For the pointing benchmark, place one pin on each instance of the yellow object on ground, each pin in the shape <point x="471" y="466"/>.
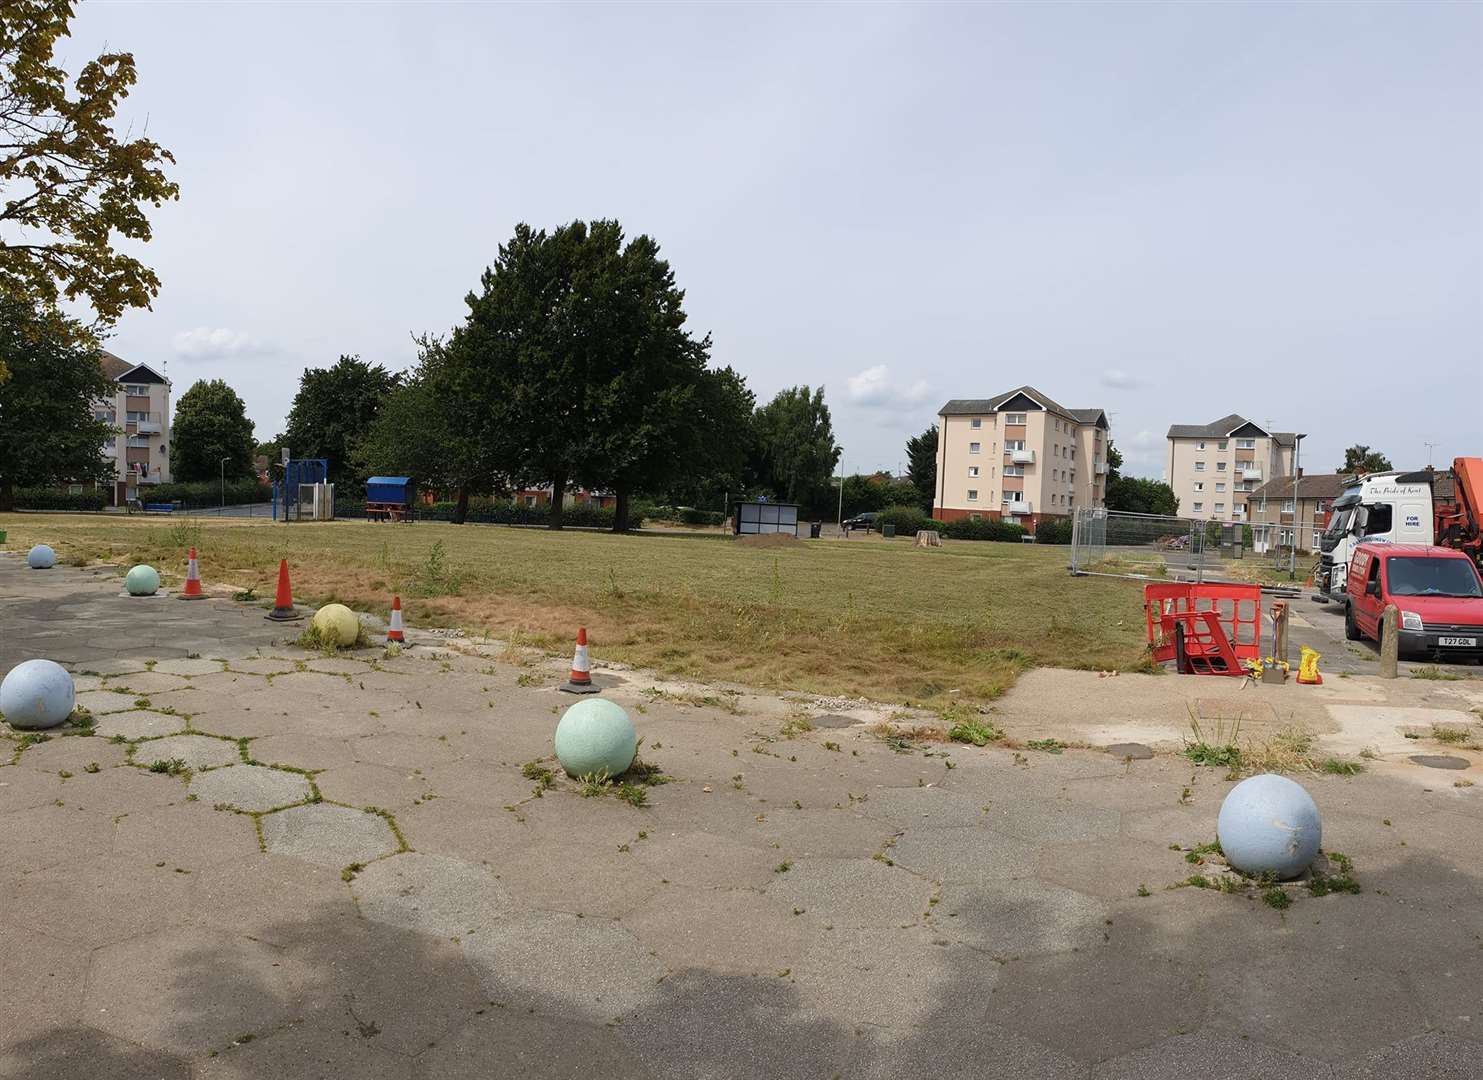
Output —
<point x="1308" y="667"/>
<point x="336" y="624"/>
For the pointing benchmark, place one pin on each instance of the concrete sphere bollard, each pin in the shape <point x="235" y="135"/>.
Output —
<point x="1269" y="824"/>
<point x="41" y="557"/>
<point x="336" y="625"/>
<point x="595" y="736"/>
<point x="37" y="694"/>
<point x="142" y="580"/>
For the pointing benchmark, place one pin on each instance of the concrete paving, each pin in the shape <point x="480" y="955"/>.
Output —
<point x="362" y="888"/>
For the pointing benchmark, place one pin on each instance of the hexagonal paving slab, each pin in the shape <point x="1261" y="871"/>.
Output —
<point x="99" y="702"/>
<point x="432" y="893"/>
<point x="138" y="724"/>
<point x="189" y="667"/>
<point x="197" y="751"/>
<point x="852" y="892"/>
<point x="250" y="787"/>
<point x="328" y="835"/>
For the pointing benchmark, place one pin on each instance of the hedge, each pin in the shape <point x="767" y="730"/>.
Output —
<point x="968" y="529"/>
<point x="685" y="515"/>
<point x="908" y="520"/>
<point x="206" y="493"/>
<point x="1057" y="531"/>
<point x="490" y="512"/>
<point x="59" y="499"/>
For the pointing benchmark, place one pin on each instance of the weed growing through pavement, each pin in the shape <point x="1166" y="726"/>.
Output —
<point x="1197" y="853"/>
<point x="1449" y="735"/>
<point x="594" y="784"/>
<point x="797" y="723"/>
<point x="1339" y="767"/>
<point x="91" y="767"/>
<point x="978" y="731"/>
<point x="1143" y="891"/>
<point x="633" y="794"/>
<point x="1218" y="748"/>
<point x="1048" y="746"/>
<point x="312" y="639"/>
<point x="782" y="867"/>
<point x="172" y="767"/>
<point x="1274" y="896"/>
<point x="1432" y="671"/>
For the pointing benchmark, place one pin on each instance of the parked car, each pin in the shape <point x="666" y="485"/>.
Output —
<point x="1436" y="590"/>
<point x="864" y="521"/>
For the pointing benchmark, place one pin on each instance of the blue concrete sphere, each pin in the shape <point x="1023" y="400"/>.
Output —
<point x="1269" y="824"/>
<point x="37" y="694"/>
<point x="142" y="580"/>
<point x="595" y="736"/>
<point x="41" y="557"/>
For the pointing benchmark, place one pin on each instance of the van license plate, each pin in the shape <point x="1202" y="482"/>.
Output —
<point x="1458" y="642"/>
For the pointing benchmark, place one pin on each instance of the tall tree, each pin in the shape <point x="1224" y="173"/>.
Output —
<point x="796" y="452"/>
<point x="69" y="186"/>
<point x="723" y="417"/>
<point x="334" y="408"/>
<point x="1361" y="459"/>
<point x="210" y="425"/>
<point x="414" y="434"/>
<point x="47" y="404"/>
<point x="921" y="466"/>
<point x="1133" y="495"/>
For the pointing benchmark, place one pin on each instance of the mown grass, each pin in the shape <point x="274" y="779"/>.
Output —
<point x="877" y="618"/>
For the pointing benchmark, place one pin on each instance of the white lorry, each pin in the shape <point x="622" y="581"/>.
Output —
<point x="1393" y="506"/>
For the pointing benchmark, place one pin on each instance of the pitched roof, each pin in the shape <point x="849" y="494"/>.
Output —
<point x="1216" y="429"/>
<point x="113" y="366"/>
<point x="1310" y="486"/>
<point x="980" y="406"/>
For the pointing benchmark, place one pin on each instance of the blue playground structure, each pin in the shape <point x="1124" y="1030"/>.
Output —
<point x="390" y="498"/>
<point x="289" y="493"/>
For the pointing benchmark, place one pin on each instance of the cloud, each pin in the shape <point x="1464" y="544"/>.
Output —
<point x="206" y="343"/>
<point x="1118" y="379"/>
<point x="873" y="388"/>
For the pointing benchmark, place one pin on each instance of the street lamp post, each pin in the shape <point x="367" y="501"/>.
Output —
<point x="224" y="486"/>
<point x="840" y="522"/>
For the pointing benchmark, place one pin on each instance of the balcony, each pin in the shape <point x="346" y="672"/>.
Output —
<point x="1249" y="472"/>
<point x="1021" y="507"/>
<point x="1100" y="468"/>
<point x="1022" y="457"/>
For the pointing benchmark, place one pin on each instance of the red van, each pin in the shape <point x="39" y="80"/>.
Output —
<point x="1436" y="590"/>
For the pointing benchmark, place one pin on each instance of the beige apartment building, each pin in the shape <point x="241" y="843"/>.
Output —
<point x="1018" y="457"/>
<point x="1213" y="468"/>
<point x="140" y="410"/>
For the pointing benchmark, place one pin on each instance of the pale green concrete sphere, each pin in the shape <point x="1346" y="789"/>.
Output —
<point x="595" y="736"/>
<point x="142" y="581"/>
<point x="336" y="624"/>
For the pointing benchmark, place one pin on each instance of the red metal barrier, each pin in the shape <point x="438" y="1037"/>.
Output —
<point x="1206" y="629"/>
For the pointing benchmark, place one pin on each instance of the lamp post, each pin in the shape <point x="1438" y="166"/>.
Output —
<point x="840" y="523"/>
<point x="224" y="485"/>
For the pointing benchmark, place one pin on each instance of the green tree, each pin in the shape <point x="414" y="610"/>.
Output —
<point x="795" y="448"/>
<point x="334" y="409"/>
<point x="47" y="403"/>
<point x="1133" y="495"/>
<point x="414" y="434"/>
<point x="723" y="416"/>
<point x="1361" y="459"/>
<point x="921" y="466"/>
<point x="69" y="187"/>
<point x="210" y="424"/>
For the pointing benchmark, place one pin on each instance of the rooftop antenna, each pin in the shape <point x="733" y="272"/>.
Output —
<point x="1430" y="446"/>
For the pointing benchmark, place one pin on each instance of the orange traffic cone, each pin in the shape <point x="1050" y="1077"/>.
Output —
<point x="580" y="680"/>
<point x="283" y="603"/>
<point x="192" y="590"/>
<point x="394" y="631"/>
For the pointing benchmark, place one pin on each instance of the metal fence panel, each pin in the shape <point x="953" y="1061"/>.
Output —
<point x="1172" y="548"/>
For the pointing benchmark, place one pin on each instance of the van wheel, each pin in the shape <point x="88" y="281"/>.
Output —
<point x="1351" y="628"/>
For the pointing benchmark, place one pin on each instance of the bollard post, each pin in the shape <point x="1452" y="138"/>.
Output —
<point x="1279" y="630"/>
<point x="1390" y="641"/>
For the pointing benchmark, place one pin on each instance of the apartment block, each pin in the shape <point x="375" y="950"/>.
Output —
<point x="1018" y="457"/>
<point x="1213" y="468"/>
<point x="140" y="410"/>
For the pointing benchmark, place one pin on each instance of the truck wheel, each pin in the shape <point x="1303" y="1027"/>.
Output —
<point x="1351" y="628"/>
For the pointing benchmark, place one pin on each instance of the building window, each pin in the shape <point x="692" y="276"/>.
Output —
<point x="1014" y="470"/>
<point x="973" y="470"/>
<point x="976" y="423"/>
<point x="1221" y="445"/>
<point x="136" y="390"/>
<point x="975" y="517"/>
<point x="974" y="447"/>
<point x="1315" y="538"/>
<point x="139" y="440"/>
<point x="1199" y="506"/>
<point x="1014" y="496"/>
<point x="1220" y="487"/>
<point x="1199" y="485"/>
<point x="1200" y="445"/>
<point x="1014" y="418"/>
<point x="1245" y="444"/>
<point x="973" y="494"/>
<point x="1220" y="466"/>
<point x="1287" y="506"/>
<point x="1199" y="466"/>
<point x="1220" y="508"/>
<point x="1262" y="505"/>
<point x="1011" y="445"/>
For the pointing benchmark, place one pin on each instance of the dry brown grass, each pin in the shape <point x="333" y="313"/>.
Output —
<point x="887" y="620"/>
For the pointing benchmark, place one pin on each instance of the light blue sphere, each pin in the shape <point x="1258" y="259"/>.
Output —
<point x="37" y="694"/>
<point x="41" y="557"/>
<point x="1269" y="824"/>
<point x="142" y="580"/>
<point x="595" y="736"/>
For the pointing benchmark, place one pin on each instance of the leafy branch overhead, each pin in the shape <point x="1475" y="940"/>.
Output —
<point x="70" y="184"/>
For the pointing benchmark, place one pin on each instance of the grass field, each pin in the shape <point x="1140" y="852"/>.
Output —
<point x="866" y="617"/>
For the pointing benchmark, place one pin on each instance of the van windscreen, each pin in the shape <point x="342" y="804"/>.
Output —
<point x="1432" y="577"/>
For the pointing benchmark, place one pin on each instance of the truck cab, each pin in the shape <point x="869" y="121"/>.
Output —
<point x="1386" y="507"/>
<point x="1437" y="591"/>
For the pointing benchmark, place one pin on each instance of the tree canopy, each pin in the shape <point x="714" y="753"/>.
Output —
<point x="921" y="466"/>
<point x="1133" y="495"/>
<point x="210" y="424"/>
<point x="335" y="408"/>
<point x="795" y="448"/>
<point x="1361" y="459"/>
<point x="69" y="186"/>
<point x="47" y="405"/>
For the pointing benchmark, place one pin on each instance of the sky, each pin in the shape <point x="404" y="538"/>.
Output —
<point x="1171" y="212"/>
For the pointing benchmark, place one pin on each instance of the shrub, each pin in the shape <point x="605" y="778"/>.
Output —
<point x="983" y="530"/>
<point x="691" y="516"/>
<point x="496" y="512"/>
<point x="1054" y="531"/>
<point x="59" y="499"/>
<point x="205" y="493"/>
<point x="907" y="519"/>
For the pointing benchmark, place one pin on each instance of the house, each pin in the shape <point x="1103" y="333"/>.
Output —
<point x="1280" y="517"/>
<point x="140" y="410"/>
<point x="1020" y="457"/>
<point x="1213" y="468"/>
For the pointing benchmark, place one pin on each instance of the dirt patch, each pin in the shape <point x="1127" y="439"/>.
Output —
<point x="768" y="540"/>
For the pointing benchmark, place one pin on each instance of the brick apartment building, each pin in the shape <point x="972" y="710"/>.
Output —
<point x="141" y="411"/>
<point x="1019" y="457"/>
<point x="1280" y="518"/>
<point x="1214" y="468"/>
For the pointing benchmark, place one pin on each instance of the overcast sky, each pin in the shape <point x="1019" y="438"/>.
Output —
<point x="1170" y="212"/>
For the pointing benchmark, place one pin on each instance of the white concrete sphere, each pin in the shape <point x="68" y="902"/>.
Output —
<point x="1269" y="824"/>
<point x="41" y="557"/>
<point x="37" y="694"/>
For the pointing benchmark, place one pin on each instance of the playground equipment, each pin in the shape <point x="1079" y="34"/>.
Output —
<point x="390" y="498"/>
<point x="304" y="493"/>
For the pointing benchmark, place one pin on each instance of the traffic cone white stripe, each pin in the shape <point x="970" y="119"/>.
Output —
<point x="581" y="663"/>
<point x="580" y="680"/>
<point x="192" y="590"/>
<point x="394" y="631"/>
